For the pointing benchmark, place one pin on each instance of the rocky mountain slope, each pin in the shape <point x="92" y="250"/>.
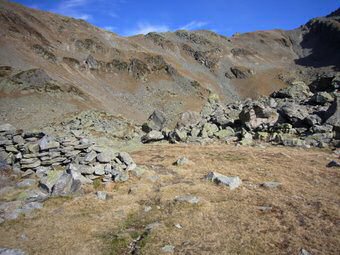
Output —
<point x="51" y="65"/>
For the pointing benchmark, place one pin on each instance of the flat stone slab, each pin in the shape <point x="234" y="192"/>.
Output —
<point x="232" y="182"/>
<point x="188" y="199"/>
<point x="168" y="249"/>
<point x="270" y="185"/>
<point x="5" y="251"/>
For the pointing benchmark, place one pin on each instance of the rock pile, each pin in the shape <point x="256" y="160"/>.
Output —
<point x="61" y="164"/>
<point x="298" y="115"/>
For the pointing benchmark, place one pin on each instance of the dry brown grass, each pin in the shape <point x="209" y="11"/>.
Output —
<point x="305" y="209"/>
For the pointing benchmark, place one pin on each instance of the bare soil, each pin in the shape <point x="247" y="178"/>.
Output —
<point x="304" y="209"/>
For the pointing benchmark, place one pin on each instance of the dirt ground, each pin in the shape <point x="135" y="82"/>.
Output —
<point x="302" y="213"/>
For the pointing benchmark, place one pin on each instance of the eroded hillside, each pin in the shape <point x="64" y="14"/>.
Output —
<point x="68" y="62"/>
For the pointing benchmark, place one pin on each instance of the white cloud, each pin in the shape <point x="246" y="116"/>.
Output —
<point x="71" y="8"/>
<point x="67" y="4"/>
<point x="194" y="25"/>
<point x="110" y="28"/>
<point x="144" y="28"/>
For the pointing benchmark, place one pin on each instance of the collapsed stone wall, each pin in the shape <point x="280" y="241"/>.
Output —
<point x="62" y="163"/>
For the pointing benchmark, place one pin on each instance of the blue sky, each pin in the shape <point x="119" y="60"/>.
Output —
<point x="129" y="17"/>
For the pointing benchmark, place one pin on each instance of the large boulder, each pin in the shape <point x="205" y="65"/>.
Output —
<point x="156" y="121"/>
<point x="152" y="136"/>
<point x="209" y="130"/>
<point x="256" y="115"/>
<point x="297" y="90"/>
<point x="188" y="119"/>
<point x="294" y="113"/>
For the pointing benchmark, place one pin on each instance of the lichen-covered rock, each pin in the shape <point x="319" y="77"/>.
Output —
<point x="297" y="90"/>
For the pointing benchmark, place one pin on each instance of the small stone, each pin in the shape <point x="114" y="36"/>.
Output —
<point x="265" y="208"/>
<point x="5" y="251"/>
<point x="42" y="171"/>
<point x="99" y="169"/>
<point x="120" y="176"/>
<point x="127" y="160"/>
<point x="101" y="195"/>
<point x="187" y="198"/>
<point x="105" y="157"/>
<point x="27" y="173"/>
<point x="90" y="156"/>
<point x="178" y="226"/>
<point x="231" y="181"/>
<point x="183" y="161"/>
<point x="168" y="249"/>
<point x="32" y="165"/>
<point x="333" y="163"/>
<point x="29" y="160"/>
<point x="304" y="252"/>
<point x="47" y="143"/>
<point x="18" y="139"/>
<point x="26" y="183"/>
<point x="270" y="185"/>
<point x="11" y="148"/>
<point x="147" y="208"/>
<point x="86" y="169"/>
<point x="33" y="147"/>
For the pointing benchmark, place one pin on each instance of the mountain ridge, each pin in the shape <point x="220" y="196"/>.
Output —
<point x="172" y="71"/>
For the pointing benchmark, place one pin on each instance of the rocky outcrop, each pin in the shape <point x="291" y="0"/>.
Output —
<point x="293" y="116"/>
<point x="239" y="72"/>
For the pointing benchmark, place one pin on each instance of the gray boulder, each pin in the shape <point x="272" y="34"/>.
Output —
<point x="90" y="156"/>
<point x="209" y="130"/>
<point x="257" y="115"/>
<point x="294" y="113"/>
<point x="65" y="185"/>
<point x="156" y="121"/>
<point x="297" y="90"/>
<point x="50" y="180"/>
<point x="231" y="181"/>
<point x="152" y="136"/>
<point x="125" y="158"/>
<point x="322" y="98"/>
<point x="188" y="119"/>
